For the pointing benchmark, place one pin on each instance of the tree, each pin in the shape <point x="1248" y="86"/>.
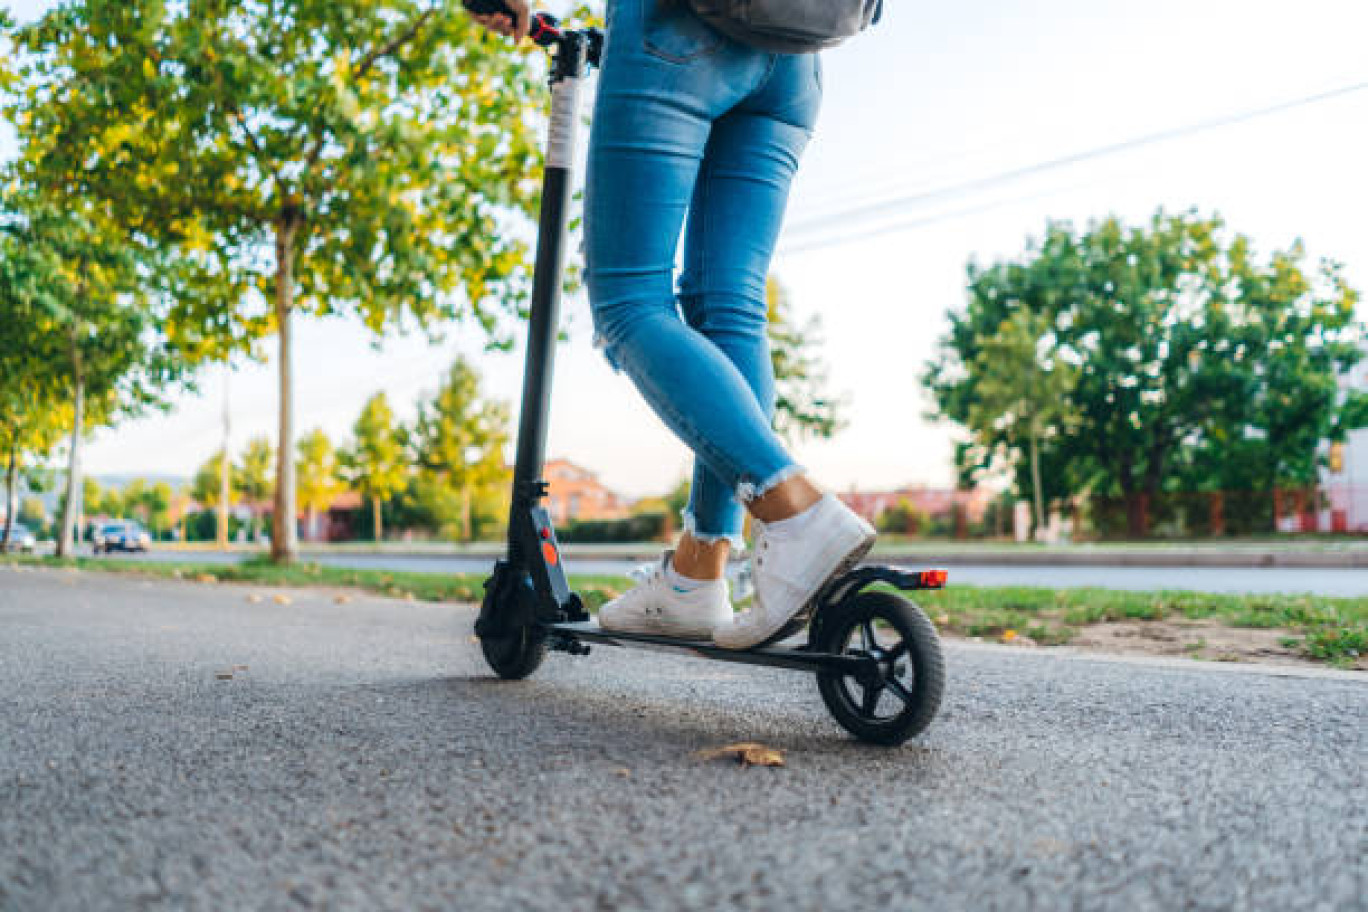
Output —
<point x="33" y="514"/>
<point x="904" y="518"/>
<point x="1291" y="335"/>
<point x="323" y="156"/>
<point x="252" y="476"/>
<point x="111" y="504"/>
<point x="318" y="482"/>
<point x="207" y="486"/>
<point x="1024" y="393"/>
<point x="77" y="284"/>
<point x="29" y="427"/>
<point x="802" y="407"/>
<point x="459" y="442"/>
<point x="156" y="503"/>
<point x="376" y="464"/>
<point x="1181" y="346"/>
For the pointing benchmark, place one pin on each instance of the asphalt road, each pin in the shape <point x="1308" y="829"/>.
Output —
<point x="1321" y="581"/>
<point x="364" y="759"/>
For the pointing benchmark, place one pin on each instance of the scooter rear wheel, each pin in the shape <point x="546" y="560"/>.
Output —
<point x="903" y="697"/>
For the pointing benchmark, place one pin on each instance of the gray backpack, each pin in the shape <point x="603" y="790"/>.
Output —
<point x="789" y="26"/>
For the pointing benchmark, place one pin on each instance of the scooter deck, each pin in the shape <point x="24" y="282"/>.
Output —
<point x="800" y="658"/>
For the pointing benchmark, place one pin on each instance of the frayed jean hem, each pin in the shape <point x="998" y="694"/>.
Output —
<point x="738" y="542"/>
<point x="746" y="491"/>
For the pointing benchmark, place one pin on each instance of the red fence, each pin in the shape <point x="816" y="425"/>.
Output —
<point x="1338" y="509"/>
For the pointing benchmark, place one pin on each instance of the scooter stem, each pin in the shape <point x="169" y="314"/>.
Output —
<point x="569" y="67"/>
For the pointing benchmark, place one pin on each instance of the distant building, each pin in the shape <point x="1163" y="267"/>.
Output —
<point x="1345" y="479"/>
<point x="934" y="502"/>
<point x="576" y="493"/>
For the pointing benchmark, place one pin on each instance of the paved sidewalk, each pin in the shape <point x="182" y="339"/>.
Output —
<point x="360" y="757"/>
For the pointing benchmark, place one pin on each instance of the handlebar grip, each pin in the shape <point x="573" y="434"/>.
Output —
<point x="488" y="7"/>
<point x="542" y="28"/>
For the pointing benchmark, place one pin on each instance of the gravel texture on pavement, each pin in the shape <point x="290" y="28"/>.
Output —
<point x="174" y="745"/>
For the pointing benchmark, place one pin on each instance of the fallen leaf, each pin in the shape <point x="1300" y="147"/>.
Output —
<point x="281" y="599"/>
<point x="622" y="771"/>
<point x="1008" y="636"/>
<point x="473" y="640"/>
<point x="341" y="599"/>
<point x="942" y="620"/>
<point x="224" y="675"/>
<point x="254" y="598"/>
<point x="239" y="668"/>
<point x="746" y="753"/>
<point x="206" y="578"/>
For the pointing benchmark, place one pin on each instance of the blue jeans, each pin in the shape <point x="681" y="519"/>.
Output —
<point x="689" y="121"/>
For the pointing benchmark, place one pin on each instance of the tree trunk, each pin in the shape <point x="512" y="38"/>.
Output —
<point x="284" y="537"/>
<point x="10" y="475"/>
<point x="377" y="528"/>
<point x="72" y="508"/>
<point x="465" y="512"/>
<point x="1039" y="498"/>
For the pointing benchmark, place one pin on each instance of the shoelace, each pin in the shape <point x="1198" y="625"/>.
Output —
<point x="644" y="573"/>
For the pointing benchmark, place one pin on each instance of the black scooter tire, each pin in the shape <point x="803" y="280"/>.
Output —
<point x="918" y="643"/>
<point x="516" y="655"/>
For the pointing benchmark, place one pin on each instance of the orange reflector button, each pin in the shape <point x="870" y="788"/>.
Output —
<point x="549" y="552"/>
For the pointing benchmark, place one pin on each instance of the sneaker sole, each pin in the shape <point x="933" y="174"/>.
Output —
<point x="800" y="618"/>
<point x="659" y="626"/>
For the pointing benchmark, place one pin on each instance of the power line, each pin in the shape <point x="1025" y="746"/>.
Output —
<point x="906" y="224"/>
<point x="895" y="206"/>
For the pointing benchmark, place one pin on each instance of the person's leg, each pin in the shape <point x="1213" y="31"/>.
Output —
<point x="665" y="77"/>
<point x="734" y="220"/>
<point x="802" y="536"/>
<point x="652" y="120"/>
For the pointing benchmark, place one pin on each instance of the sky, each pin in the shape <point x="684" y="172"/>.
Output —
<point x="936" y="97"/>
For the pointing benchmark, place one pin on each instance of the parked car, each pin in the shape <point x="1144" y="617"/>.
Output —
<point x="21" y="539"/>
<point x="125" y="535"/>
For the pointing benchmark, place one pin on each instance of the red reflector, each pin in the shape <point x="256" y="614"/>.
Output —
<point x="545" y="533"/>
<point x="934" y="579"/>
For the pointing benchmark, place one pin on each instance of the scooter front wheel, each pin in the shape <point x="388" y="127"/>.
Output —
<point x="515" y="654"/>
<point x="901" y="698"/>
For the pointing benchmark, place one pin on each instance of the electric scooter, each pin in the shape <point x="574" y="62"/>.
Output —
<point x="877" y="658"/>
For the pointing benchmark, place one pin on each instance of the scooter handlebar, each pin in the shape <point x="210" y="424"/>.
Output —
<point x="542" y="28"/>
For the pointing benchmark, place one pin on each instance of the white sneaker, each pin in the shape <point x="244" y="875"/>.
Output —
<point x="657" y="606"/>
<point x="790" y="563"/>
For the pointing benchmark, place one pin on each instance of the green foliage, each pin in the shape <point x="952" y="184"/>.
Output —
<point x="33" y="514"/>
<point x="904" y="518"/>
<point x="640" y="527"/>
<point x="82" y="325"/>
<point x="802" y="406"/>
<point x="111" y="504"/>
<point x="316" y="464"/>
<point x="1178" y="361"/>
<point x="386" y="142"/>
<point x="348" y="156"/>
<point x="207" y="486"/>
<point x="252" y="477"/>
<point x="1024" y="393"/>
<point x="376" y="463"/>
<point x="458" y="442"/>
<point x="252" y="473"/>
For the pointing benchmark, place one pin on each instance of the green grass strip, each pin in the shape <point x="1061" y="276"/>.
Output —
<point x="1332" y="630"/>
